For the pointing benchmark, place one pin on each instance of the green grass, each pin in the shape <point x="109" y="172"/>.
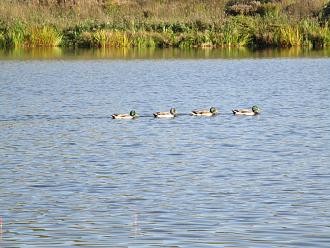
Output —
<point x="43" y="37"/>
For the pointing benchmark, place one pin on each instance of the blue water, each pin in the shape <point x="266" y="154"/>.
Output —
<point x="72" y="176"/>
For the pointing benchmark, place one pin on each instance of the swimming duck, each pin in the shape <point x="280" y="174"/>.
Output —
<point x="131" y="115"/>
<point x="255" y="110"/>
<point x="170" y="114"/>
<point x="212" y="111"/>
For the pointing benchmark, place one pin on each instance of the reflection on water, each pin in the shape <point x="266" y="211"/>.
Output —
<point x="170" y="53"/>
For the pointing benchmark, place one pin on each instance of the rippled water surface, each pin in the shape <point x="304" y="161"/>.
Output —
<point x="72" y="176"/>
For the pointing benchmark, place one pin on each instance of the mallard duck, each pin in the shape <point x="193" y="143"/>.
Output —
<point x="212" y="111"/>
<point x="170" y="114"/>
<point x="255" y="110"/>
<point x="131" y="115"/>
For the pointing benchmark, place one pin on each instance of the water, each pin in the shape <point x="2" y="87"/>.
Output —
<point x="72" y="176"/>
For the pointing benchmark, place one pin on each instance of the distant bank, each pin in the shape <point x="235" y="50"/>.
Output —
<point x="165" y="23"/>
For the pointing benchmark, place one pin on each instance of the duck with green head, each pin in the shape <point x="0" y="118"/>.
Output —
<point x="170" y="114"/>
<point x="255" y="110"/>
<point x="211" y="112"/>
<point x="131" y="115"/>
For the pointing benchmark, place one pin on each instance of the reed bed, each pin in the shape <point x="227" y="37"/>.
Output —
<point x="166" y="23"/>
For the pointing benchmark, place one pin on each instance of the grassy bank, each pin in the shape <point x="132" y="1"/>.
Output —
<point x="164" y="23"/>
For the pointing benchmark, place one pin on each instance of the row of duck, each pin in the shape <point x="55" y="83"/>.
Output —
<point x="172" y="113"/>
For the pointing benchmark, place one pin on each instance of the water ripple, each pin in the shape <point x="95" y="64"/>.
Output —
<point x="72" y="176"/>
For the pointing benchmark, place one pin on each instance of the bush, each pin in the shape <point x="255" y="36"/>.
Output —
<point x="249" y="7"/>
<point x="326" y="12"/>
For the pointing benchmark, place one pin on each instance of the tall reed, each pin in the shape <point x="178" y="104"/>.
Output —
<point x="14" y="34"/>
<point x="42" y="37"/>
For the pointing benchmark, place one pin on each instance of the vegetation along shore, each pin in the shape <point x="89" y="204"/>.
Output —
<point x="165" y="23"/>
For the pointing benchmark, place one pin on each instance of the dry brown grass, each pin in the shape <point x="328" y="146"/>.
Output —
<point x="64" y="13"/>
<point x="50" y="12"/>
<point x="70" y="12"/>
<point x="303" y="8"/>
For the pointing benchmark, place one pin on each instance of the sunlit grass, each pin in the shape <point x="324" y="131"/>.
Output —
<point x="42" y="37"/>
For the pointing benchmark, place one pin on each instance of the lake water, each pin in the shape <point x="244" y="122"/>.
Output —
<point x="72" y="176"/>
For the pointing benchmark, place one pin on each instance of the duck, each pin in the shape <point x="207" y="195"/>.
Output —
<point x="170" y="114"/>
<point x="211" y="112"/>
<point x="131" y="115"/>
<point x="255" y="110"/>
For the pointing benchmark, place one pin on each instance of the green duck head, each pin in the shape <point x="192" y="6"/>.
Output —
<point x="133" y="113"/>
<point x="256" y="109"/>
<point x="173" y="111"/>
<point x="213" y="110"/>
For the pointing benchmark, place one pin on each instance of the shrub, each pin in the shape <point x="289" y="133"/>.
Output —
<point x="326" y="12"/>
<point x="249" y="7"/>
